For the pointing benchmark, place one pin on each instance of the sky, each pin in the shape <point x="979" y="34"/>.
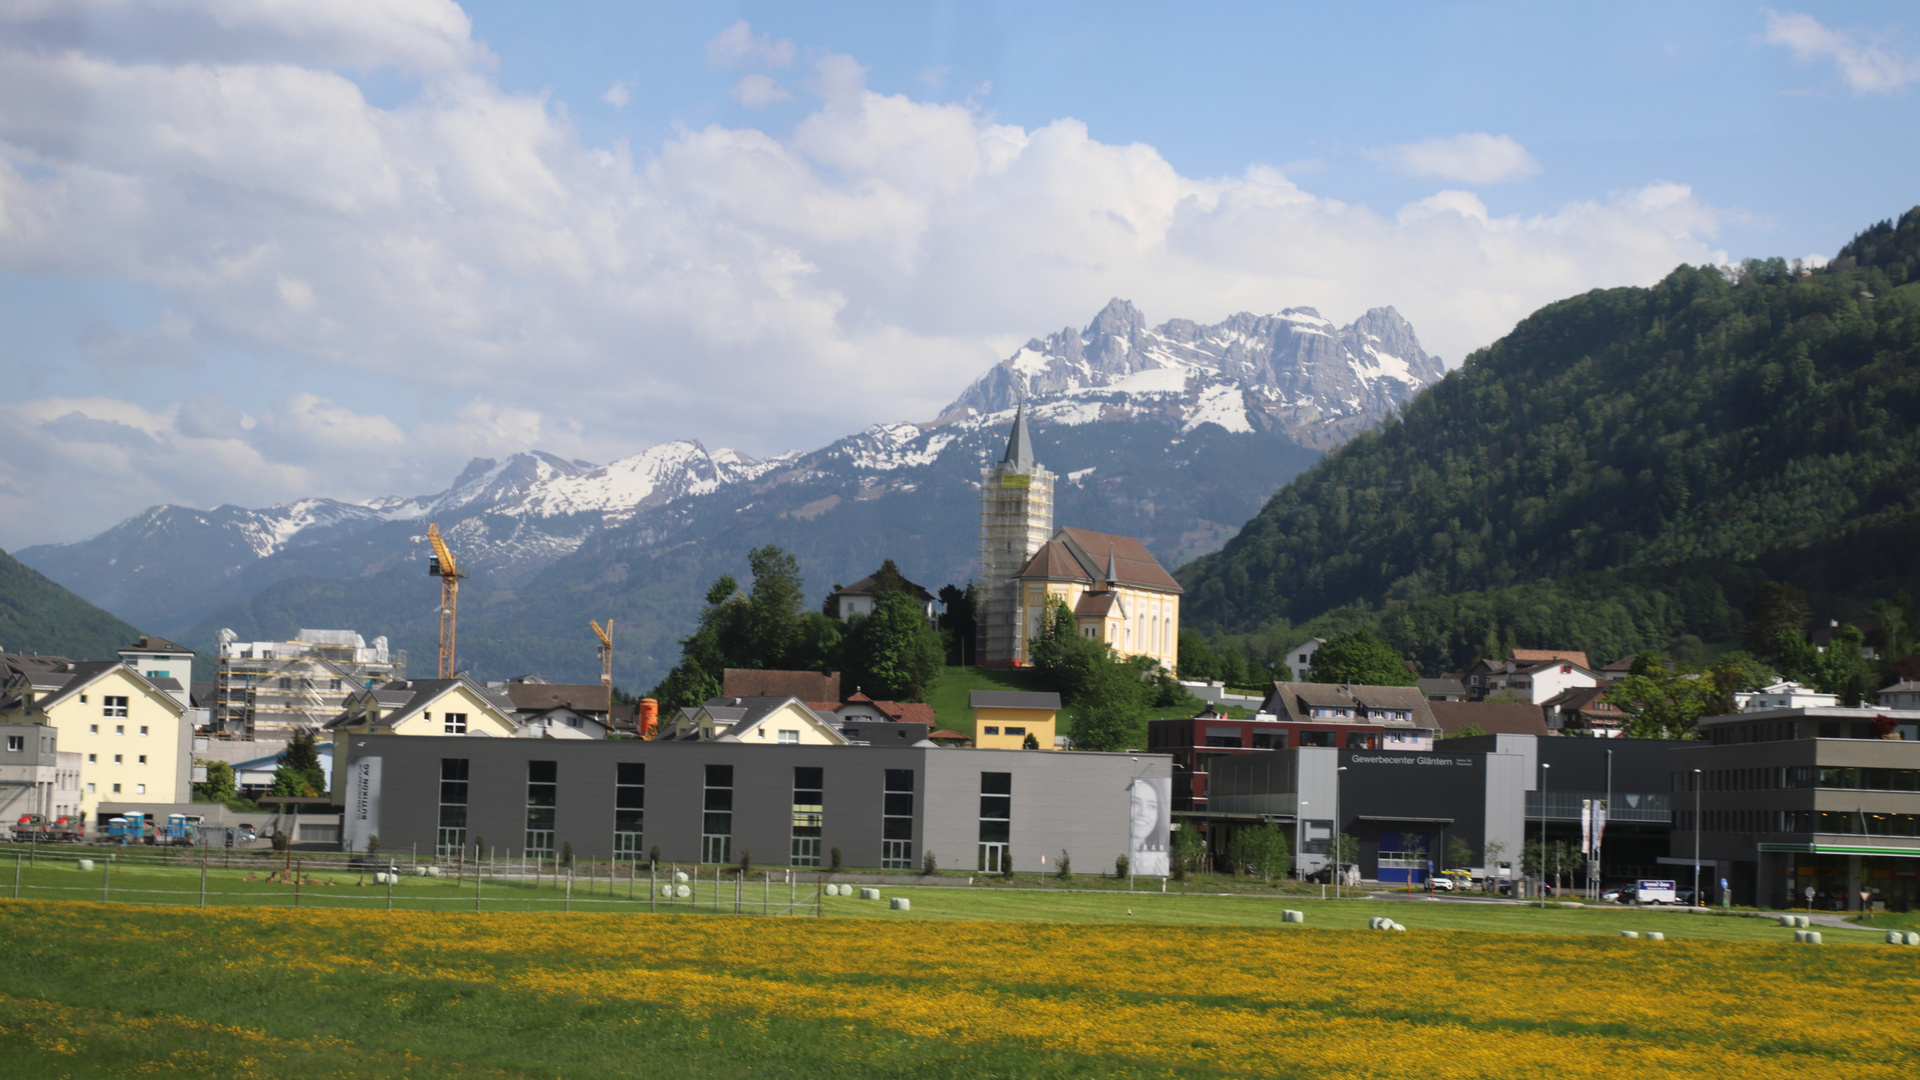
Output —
<point x="259" y="250"/>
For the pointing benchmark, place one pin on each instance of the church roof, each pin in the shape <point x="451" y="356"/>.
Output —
<point x="1098" y="558"/>
<point x="1055" y="562"/>
<point x="1020" y="445"/>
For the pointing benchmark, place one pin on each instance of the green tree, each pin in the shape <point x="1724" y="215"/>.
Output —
<point x="1262" y="849"/>
<point x="1196" y="659"/>
<point x="894" y="652"/>
<point x="299" y="773"/>
<point x="1841" y="669"/>
<point x="1467" y="731"/>
<point x="1459" y="853"/>
<point x="1362" y="659"/>
<point x="1189" y="848"/>
<point x="1778" y="608"/>
<point x="1663" y="702"/>
<point x="957" y="622"/>
<point x="219" y="785"/>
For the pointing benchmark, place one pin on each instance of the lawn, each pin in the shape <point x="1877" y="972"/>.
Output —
<point x="106" y="990"/>
<point x="949" y="696"/>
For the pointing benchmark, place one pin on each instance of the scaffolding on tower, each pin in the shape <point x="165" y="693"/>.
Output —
<point x="443" y="566"/>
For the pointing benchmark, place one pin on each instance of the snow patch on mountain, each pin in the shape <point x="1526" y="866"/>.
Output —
<point x="1223" y="404"/>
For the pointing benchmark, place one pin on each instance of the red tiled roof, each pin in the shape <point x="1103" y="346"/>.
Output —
<point x="1491" y="717"/>
<point x="1132" y="563"/>
<point x="943" y="735"/>
<point x="805" y="685"/>
<point x="1054" y="562"/>
<point x="1093" y="605"/>
<point x="1577" y="656"/>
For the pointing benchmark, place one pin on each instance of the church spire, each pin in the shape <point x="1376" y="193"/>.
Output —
<point x="1019" y="445"/>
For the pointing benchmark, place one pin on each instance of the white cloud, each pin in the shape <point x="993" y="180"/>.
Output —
<point x="756" y="90"/>
<point x="738" y="46"/>
<point x="1475" y="158"/>
<point x="618" y="94"/>
<point x="1869" y="67"/>
<point x="500" y="283"/>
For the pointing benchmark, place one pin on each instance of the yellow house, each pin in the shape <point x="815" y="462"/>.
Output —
<point x="453" y="708"/>
<point x="762" y="721"/>
<point x="134" y="738"/>
<point x="1006" y="719"/>
<point x="1118" y="592"/>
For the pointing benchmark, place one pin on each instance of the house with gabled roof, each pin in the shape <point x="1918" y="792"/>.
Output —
<point x="133" y="734"/>
<point x="1118" y="593"/>
<point x="450" y="708"/>
<point x="1534" y="675"/>
<point x="760" y="721"/>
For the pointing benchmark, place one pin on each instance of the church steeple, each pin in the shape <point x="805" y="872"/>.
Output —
<point x="1019" y="445"/>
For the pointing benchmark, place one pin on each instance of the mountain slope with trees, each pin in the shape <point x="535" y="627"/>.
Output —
<point x="36" y="615"/>
<point x="1626" y="467"/>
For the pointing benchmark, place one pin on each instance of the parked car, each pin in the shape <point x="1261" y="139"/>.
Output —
<point x="1441" y="883"/>
<point x="1618" y="894"/>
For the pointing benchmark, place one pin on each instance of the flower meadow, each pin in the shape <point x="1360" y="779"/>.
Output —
<point x="347" y="993"/>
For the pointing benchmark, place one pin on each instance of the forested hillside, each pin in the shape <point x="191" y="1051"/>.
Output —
<point x="37" y="615"/>
<point x="1625" y="467"/>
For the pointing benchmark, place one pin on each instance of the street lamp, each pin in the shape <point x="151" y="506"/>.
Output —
<point x="1334" y="838"/>
<point x="1541" y="885"/>
<point x="1599" y="838"/>
<point x="1300" y="837"/>
<point x="1696" y="837"/>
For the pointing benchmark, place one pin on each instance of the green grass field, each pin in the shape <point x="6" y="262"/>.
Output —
<point x="949" y="696"/>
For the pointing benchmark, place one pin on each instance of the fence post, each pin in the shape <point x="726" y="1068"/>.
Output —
<point x="478" y="866"/>
<point x="390" y="884"/>
<point x="296" y="884"/>
<point x="819" y="890"/>
<point x="766" y="891"/>
<point x="16" y="875"/>
<point x="569" y="904"/>
<point x="203" y="881"/>
<point x="106" y="879"/>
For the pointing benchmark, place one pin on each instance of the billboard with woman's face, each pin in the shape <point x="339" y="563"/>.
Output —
<point x="1151" y="805"/>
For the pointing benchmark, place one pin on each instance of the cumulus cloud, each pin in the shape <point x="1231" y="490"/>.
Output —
<point x="1869" y="67"/>
<point x="1476" y="158"/>
<point x="738" y="46"/>
<point x="501" y="283"/>
<point x="756" y="90"/>
<point x="618" y="94"/>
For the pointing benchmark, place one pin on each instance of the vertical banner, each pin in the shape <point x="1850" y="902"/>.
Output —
<point x="1599" y="821"/>
<point x="362" y="817"/>
<point x="1150" y="813"/>
<point x="1586" y="826"/>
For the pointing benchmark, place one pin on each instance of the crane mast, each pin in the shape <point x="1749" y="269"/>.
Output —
<point x="606" y="662"/>
<point x="443" y="566"/>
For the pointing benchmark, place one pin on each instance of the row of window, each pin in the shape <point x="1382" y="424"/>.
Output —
<point x="118" y="759"/>
<point x="118" y="729"/>
<point x="1228" y="738"/>
<point x="1845" y="822"/>
<point x="1799" y="777"/>
<point x="1011" y="730"/>
<point x="716" y="822"/>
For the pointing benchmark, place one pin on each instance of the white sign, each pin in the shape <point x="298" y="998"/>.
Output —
<point x="362" y="818"/>
<point x="1150" y="804"/>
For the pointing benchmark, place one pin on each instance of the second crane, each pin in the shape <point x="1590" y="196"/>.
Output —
<point x="443" y="566"/>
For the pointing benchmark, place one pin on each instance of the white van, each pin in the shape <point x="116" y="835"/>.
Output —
<point x="1655" y="892"/>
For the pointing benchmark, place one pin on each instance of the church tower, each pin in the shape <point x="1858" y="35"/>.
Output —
<point x="1016" y="518"/>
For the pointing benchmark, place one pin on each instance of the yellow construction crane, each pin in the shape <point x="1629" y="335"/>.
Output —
<point x="606" y="662"/>
<point x="443" y="566"/>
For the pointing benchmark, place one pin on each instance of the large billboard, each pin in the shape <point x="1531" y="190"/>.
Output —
<point x="1150" y="816"/>
<point x="362" y="817"/>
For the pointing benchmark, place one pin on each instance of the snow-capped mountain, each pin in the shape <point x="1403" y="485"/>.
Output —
<point x="1175" y="434"/>
<point x="1294" y="372"/>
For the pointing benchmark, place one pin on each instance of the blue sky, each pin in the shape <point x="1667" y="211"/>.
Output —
<point x="248" y="255"/>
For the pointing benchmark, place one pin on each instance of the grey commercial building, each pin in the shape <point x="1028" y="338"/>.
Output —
<point x="1791" y="800"/>
<point x="1405" y="807"/>
<point x="787" y="805"/>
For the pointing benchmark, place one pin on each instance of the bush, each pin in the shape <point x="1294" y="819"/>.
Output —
<point x="280" y="841"/>
<point x="836" y="859"/>
<point x="928" y="864"/>
<point x="1006" y="864"/>
<point x="373" y="845"/>
<point x="1065" y="872"/>
<point x="746" y="861"/>
<point x="566" y="853"/>
<point x="1120" y="867"/>
<point x="653" y="856"/>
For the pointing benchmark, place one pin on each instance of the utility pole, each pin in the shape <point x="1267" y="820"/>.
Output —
<point x="1541" y="884"/>
<point x="1696" y="838"/>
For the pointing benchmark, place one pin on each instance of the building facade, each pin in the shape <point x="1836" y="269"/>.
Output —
<point x="133" y="738"/>
<point x="713" y="802"/>
<point x="1118" y="593"/>
<point x="1016" y="517"/>
<point x="36" y="776"/>
<point x="1781" y="801"/>
<point x="284" y="687"/>
<point x="1006" y="719"/>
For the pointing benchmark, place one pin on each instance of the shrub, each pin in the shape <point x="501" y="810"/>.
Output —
<point x="373" y="845"/>
<point x="1120" y="867"/>
<point x="280" y="840"/>
<point x="836" y="859"/>
<point x="746" y="861"/>
<point x="1065" y="872"/>
<point x="566" y="853"/>
<point x="928" y="864"/>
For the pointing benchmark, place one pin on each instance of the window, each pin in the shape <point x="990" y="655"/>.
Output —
<point x="119" y="729"/>
<point x="896" y="822"/>
<point x="716" y="823"/>
<point x="89" y="789"/>
<point x="992" y="730"/>
<point x="143" y="759"/>
<point x="1316" y="738"/>
<point x="116" y="789"/>
<point x="629" y="808"/>
<point x="809" y="814"/>
<point x="996" y="824"/>
<point x="333" y="684"/>
<point x="787" y="736"/>
<point x="83" y="699"/>
<point x="143" y="729"/>
<point x="452" y="838"/>
<point x="1016" y="731"/>
<point x="113" y="706"/>
<point x="1224" y="735"/>
<point x="286" y="683"/>
<point x="92" y="729"/>
<point x="117" y="759"/>
<point x="543" y="790"/>
<point x="92" y="758"/>
<point x="1269" y="740"/>
<point x="158" y="675"/>
<point x="455" y="723"/>
<point x="139" y="789"/>
<point x="16" y="743"/>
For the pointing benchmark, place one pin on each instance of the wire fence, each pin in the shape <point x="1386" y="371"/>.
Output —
<point x="204" y="878"/>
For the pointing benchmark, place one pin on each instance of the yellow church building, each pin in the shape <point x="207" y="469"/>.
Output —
<point x="1118" y="593"/>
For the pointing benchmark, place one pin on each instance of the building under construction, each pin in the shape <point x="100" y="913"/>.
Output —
<point x="1016" y="518"/>
<point x="284" y="687"/>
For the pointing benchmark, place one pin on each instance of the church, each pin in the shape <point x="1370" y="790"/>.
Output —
<point x="1118" y="592"/>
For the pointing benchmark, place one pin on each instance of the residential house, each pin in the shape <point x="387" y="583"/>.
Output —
<point x="760" y="721"/>
<point x="1585" y="710"/>
<point x="1534" y="675"/>
<point x="1457" y="718"/>
<point x="1118" y="593"/>
<point x="1299" y="659"/>
<point x="1904" y="694"/>
<point x="859" y="599"/>
<point x="157" y="658"/>
<point x="451" y="708"/>
<point x="1006" y="719"/>
<point x="533" y="696"/>
<point x="860" y="709"/>
<point x="1619" y="669"/>
<point x="561" y="722"/>
<point x="36" y="776"/>
<point x="132" y="733"/>
<point x="1786" y="695"/>
<point x="808" y="686"/>
<point x="1444" y="688"/>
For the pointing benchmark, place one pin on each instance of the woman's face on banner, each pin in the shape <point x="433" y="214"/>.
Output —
<point x="1146" y="812"/>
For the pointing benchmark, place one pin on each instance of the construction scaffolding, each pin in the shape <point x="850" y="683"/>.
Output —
<point x="285" y="687"/>
<point x="1016" y="518"/>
